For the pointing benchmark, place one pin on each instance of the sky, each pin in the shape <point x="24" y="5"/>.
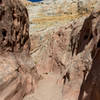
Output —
<point x="35" y="0"/>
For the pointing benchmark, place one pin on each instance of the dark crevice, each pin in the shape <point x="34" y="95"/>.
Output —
<point x="46" y="73"/>
<point x="59" y="34"/>
<point x="9" y="45"/>
<point x="66" y="76"/>
<point x="4" y="33"/>
<point x="86" y="37"/>
<point x="14" y="17"/>
<point x="17" y="33"/>
<point x="91" y="36"/>
<point x="0" y="17"/>
<point x="98" y="45"/>
<point x="2" y="13"/>
<point x="0" y="1"/>
<point x="23" y="19"/>
<point x="24" y="41"/>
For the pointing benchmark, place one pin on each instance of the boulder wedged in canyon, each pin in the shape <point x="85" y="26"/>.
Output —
<point x="18" y="74"/>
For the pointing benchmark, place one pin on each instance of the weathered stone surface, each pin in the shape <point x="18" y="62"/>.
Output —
<point x="90" y="89"/>
<point x="18" y="75"/>
<point x="14" y="27"/>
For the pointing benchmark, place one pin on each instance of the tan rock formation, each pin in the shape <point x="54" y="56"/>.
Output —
<point x="90" y="32"/>
<point x="14" y="27"/>
<point x="17" y="71"/>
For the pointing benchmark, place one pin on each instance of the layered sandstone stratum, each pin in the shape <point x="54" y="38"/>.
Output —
<point x="50" y="51"/>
